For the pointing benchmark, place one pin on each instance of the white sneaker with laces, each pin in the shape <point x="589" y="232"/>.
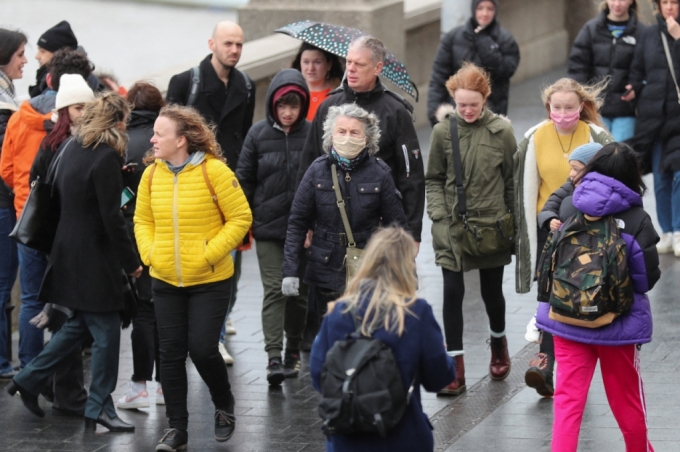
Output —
<point x="135" y="397"/>
<point x="228" y="359"/>
<point x="665" y="244"/>
<point x="676" y="244"/>
<point x="160" y="398"/>
<point x="229" y="327"/>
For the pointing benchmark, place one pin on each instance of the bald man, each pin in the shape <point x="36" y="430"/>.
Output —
<point x="224" y="95"/>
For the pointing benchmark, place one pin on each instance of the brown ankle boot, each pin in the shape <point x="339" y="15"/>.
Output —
<point x="499" y="368"/>
<point x="457" y="386"/>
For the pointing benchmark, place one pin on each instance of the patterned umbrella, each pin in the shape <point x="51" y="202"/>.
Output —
<point x="336" y="39"/>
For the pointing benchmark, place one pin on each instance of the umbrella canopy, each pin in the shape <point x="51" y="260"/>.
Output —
<point x="336" y="39"/>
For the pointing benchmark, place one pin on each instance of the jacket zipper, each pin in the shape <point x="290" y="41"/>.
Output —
<point x="408" y="164"/>
<point x="611" y="55"/>
<point x="175" y="227"/>
<point x="287" y="164"/>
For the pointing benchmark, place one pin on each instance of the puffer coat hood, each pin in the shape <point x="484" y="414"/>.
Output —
<point x="282" y="79"/>
<point x="599" y="195"/>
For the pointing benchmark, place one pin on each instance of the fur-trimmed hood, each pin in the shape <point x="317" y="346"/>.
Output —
<point x="445" y="111"/>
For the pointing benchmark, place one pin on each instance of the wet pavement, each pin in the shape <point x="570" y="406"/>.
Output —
<point x="491" y="416"/>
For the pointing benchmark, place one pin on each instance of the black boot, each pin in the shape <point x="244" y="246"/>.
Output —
<point x="540" y="374"/>
<point x="30" y="401"/>
<point x="114" y="424"/>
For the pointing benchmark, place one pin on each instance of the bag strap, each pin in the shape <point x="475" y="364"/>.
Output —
<point x="151" y="171"/>
<point x="458" y="167"/>
<point x="211" y="189"/>
<point x="194" y="83"/>
<point x="670" y="63"/>
<point x="54" y="166"/>
<point x="341" y="205"/>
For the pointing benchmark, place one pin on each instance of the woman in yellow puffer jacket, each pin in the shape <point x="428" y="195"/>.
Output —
<point x="191" y="213"/>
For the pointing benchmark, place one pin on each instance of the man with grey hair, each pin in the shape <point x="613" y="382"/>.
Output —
<point x="398" y="145"/>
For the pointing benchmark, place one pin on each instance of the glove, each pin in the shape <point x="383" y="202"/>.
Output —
<point x="290" y="286"/>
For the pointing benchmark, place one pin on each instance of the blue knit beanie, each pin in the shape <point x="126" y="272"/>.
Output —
<point x="585" y="152"/>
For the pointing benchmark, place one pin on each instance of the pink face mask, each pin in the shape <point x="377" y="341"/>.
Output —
<point x="565" y="121"/>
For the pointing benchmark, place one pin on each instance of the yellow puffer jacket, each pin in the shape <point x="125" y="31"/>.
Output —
<point x="179" y="231"/>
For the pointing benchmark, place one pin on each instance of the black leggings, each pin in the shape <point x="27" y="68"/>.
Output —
<point x="491" y="284"/>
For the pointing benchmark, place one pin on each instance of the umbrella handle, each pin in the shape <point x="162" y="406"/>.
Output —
<point x="415" y="88"/>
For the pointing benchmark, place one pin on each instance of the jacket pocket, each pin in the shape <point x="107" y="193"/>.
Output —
<point x="319" y="254"/>
<point x="324" y="192"/>
<point x="441" y="238"/>
<point x="369" y="195"/>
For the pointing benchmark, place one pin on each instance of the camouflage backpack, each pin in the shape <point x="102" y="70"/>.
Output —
<point x="583" y="272"/>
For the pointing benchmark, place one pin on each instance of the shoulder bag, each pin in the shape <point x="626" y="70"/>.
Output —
<point x="352" y="253"/>
<point x="37" y="224"/>
<point x="482" y="234"/>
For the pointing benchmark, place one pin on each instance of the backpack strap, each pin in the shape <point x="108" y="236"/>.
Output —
<point x="211" y="189"/>
<point x="151" y="171"/>
<point x="194" y="84"/>
<point x="246" y="79"/>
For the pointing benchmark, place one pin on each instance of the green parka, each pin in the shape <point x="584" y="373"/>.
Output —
<point x="486" y="147"/>
<point x="527" y="183"/>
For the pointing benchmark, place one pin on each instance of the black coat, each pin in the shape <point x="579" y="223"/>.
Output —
<point x="369" y="196"/>
<point x="658" y="116"/>
<point x="6" y="196"/>
<point x="398" y="144"/>
<point x="596" y="54"/>
<point x="493" y="49"/>
<point x="230" y="109"/>
<point x="269" y="162"/>
<point x="92" y="244"/>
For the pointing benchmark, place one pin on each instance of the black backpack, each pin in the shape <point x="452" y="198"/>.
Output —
<point x="361" y="387"/>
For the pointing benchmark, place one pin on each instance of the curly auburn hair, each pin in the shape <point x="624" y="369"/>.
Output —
<point x="190" y="124"/>
<point x="472" y="78"/>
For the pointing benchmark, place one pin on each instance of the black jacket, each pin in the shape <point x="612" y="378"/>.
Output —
<point x="369" y="196"/>
<point x="92" y="244"/>
<point x="269" y="162"/>
<point x="551" y="208"/>
<point x="230" y="109"/>
<point x="658" y="116"/>
<point x="596" y="54"/>
<point x="399" y="146"/>
<point x="6" y="196"/>
<point x="493" y="49"/>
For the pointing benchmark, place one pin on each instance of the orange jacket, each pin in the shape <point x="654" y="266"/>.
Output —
<point x="25" y="132"/>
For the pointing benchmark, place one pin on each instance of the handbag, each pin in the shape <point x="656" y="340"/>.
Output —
<point x="352" y="253"/>
<point x="485" y="232"/>
<point x="37" y="224"/>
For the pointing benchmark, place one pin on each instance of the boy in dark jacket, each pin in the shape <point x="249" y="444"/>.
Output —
<point x="267" y="170"/>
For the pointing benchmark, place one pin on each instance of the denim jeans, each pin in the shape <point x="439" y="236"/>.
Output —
<point x="32" y="266"/>
<point x="667" y="193"/>
<point x="621" y="128"/>
<point x="8" y="274"/>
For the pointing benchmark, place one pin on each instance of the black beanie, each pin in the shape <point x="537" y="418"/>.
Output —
<point x="58" y="37"/>
<point x="476" y="3"/>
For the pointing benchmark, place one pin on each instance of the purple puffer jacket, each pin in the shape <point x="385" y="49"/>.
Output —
<point x="599" y="195"/>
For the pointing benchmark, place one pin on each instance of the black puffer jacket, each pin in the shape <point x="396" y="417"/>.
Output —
<point x="399" y="146"/>
<point x="269" y="162"/>
<point x="597" y="54"/>
<point x="369" y="196"/>
<point x="551" y="208"/>
<point x="493" y="49"/>
<point x="140" y="131"/>
<point x="658" y="116"/>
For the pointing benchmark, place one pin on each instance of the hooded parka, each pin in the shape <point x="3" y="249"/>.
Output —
<point x="486" y="148"/>
<point x="527" y="183"/>
<point x="596" y="54"/>
<point x="269" y="161"/>
<point x="657" y="99"/>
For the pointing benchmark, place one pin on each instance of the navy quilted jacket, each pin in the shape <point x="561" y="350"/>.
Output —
<point x="370" y="198"/>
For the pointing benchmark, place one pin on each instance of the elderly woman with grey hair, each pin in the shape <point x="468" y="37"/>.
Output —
<point x="350" y="140"/>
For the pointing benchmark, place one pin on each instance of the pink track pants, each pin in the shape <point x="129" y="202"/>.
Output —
<point x="620" y="366"/>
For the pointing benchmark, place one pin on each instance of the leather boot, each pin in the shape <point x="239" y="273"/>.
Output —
<point x="499" y="368"/>
<point x="457" y="386"/>
<point x="540" y="374"/>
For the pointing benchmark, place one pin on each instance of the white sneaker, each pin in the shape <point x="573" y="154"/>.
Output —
<point x="665" y="244"/>
<point x="676" y="244"/>
<point x="228" y="359"/>
<point x="136" y="397"/>
<point x="533" y="334"/>
<point x="229" y="327"/>
<point x="160" y="398"/>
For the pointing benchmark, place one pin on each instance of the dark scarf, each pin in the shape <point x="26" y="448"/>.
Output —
<point x="347" y="164"/>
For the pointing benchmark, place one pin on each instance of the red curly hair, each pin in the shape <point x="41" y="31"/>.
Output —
<point x="472" y="78"/>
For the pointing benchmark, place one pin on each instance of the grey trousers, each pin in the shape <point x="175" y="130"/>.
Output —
<point x="279" y="313"/>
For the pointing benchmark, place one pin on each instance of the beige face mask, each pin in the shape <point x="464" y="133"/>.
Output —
<point x="348" y="147"/>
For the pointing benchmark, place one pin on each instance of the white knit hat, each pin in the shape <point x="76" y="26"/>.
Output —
<point x="73" y="89"/>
